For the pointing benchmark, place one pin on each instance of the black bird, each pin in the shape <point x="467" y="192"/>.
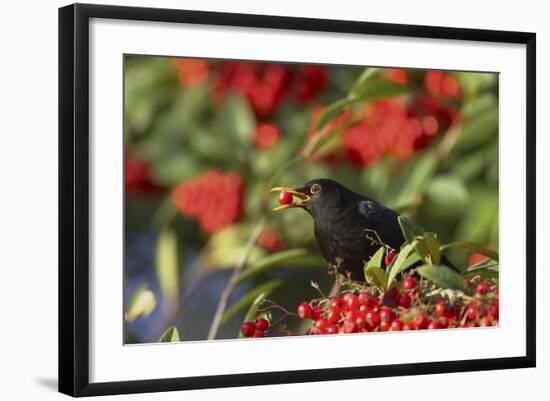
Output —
<point x="348" y="226"/>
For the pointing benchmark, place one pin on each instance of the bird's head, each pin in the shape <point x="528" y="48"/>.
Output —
<point x="318" y="197"/>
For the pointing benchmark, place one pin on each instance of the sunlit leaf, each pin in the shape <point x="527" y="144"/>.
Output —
<point x="374" y="274"/>
<point x="226" y="248"/>
<point x="402" y="261"/>
<point x="142" y="303"/>
<point x="363" y="80"/>
<point x="170" y="335"/>
<point x="166" y="266"/>
<point x="427" y="247"/>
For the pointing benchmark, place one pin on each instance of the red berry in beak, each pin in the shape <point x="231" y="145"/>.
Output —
<point x="285" y="198"/>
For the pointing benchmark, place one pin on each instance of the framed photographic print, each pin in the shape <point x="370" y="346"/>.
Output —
<point x="238" y="192"/>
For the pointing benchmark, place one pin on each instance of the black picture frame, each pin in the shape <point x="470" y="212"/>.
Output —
<point x="74" y="197"/>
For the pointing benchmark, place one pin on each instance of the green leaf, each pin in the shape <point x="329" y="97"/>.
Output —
<point x="401" y="262"/>
<point x="225" y="248"/>
<point x="446" y="195"/>
<point x="167" y="267"/>
<point x="427" y="246"/>
<point x="412" y="182"/>
<point x="487" y="268"/>
<point x="170" y="335"/>
<point x="410" y="230"/>
<point x="443" y="276"/>
<point x="363" y="80"/>
<point x="329" y="142"/>
<point x="377" y="258"/>
<point x="249" y="298"/>
<point x="142" y="303"/>
<point x="471" y="247"/>
<point x="374" y="274"/>
<point x="380" y="89"/>
<point x="294" y="258"/>
<point x="240" y="119"/>
<point x="478" y="130"/>
<point x="375" y="90"/>
<point x="331" y="112"/>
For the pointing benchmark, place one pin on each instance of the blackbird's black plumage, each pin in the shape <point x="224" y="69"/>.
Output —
<point x="346" y="223"/>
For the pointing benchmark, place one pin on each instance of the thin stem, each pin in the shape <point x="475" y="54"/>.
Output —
<point x="232" y="283"/>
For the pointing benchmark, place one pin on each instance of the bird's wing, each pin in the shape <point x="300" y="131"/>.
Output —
<point x="383" y="221"/>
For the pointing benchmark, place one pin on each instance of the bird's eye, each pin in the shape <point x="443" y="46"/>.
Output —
<point x="315" y="189"/>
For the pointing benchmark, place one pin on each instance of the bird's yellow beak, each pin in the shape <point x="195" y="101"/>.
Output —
<point x="295" y="192"/>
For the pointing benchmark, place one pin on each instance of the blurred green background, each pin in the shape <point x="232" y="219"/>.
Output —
<point x="206" y="139"/>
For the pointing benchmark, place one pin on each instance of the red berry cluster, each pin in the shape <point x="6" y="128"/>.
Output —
<point x="266" y="136"/>
<point x="264" y="84"/>
<point x="386" y="128"/>
<point x="214" y="198"/>
<point x="191" y="71"/>
<point x="401" y="308"/>
<point x="439" y="84"/>
<point x="271" y="241"/>
<point x="137" y="176"/>
<point x="310" y="81"/>
<point x="397" y="126"/>
<point x="255" y="328"/>
<point x="398" y="76"/>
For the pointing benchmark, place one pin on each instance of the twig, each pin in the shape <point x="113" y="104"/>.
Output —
<point x="232" y="283"/>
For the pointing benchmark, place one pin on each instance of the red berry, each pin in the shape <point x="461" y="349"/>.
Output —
<point x="389" y="257"/>
<point x="333" y="316"/>
<point x="364" y="309"/>
<point x="290" y="333"/>
<point x="386" y="314"/>
<point x="336" y="305"/>
<point x="404" y="300"/>
<point x="285" y="198"/>
<point x="258" y="334"/>
<point x="316" y="312"/>
<point x="365" y="298"/>
<point x="409" y="326"/>
<point x="481" y="288"/>
<point x="332" y="329"/>
<point x="473" y="311"/>
<point x="361" y="323"/>
<point x="492" y="313"/>
<point x="321" y="325"/>
<point x="420" y="321"/>
<point x="385" y="325"/>
<point x="372" y="318"/>
<point x="444" y="322"/>
<point x="350" y="327"/>
<point x="409" y="284"/>
<point x="261" y="324"/>
<point x="351" y="301"/>
<point x="247" y="329"/>
<point x="434" y="325"/>
<point x="305" y="310"/>
<point x="352" y="314"/>
<point x="485" y="322"/>
<point x="396" y="325"/>
<point x="441" y="309"/>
